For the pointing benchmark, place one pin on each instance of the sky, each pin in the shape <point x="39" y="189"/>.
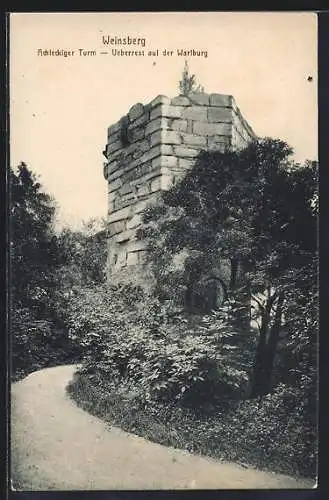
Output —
<point x="61" y="107"/>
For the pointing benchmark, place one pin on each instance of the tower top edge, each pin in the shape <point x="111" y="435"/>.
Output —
<point x="193" y="99"/>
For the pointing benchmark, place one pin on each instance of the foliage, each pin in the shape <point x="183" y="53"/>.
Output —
<point x="36" y="343"/>
<point x="253" y="207"/>
<point x="267" y="433"/>
<point x="38" y="338"/>
<point x="187" y="84"/>
<point x="33" y="244"/>
<point x="160" y="353"/>
<point x="83" y="254"/>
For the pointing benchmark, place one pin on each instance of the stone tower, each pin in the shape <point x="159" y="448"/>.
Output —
<point x="150" y="148"/>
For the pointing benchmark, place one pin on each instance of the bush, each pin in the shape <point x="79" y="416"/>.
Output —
<point x="268" y="433"/>
<point x="179" y="379"/>
<point x="36" y="343"/>
<point x="158" y="352"/>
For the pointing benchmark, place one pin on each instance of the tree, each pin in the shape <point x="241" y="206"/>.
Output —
<point x="188" y="84"/>
<point x="33" y="243"/>
<point x="254" y="208"/>
<point x="38" y="336"/>
<point x="83" y="253"/>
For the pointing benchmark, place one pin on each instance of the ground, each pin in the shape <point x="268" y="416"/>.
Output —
<point x="58" y="446"/>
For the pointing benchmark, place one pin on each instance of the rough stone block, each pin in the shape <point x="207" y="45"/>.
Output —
<point x="112" y="196"/>
<point x="114" y="166"/>
<point x="117" y="227"/>
<point x="143" y="179"/>
<point x="131" y="165"/>
<point x="141" y="205"/>
<point x="219" y="114"/>
<point x="136" y="111"/>
<point x="137" y="174"/>
<point x="114" y="185"/>
<point x="156" y="124"/>
<point x="184" y="152"/>
<point x="167" y="111"/>
<point x="142" y="255"/>
<point x="189" y="126"/>
<point x="240" y="118"/>
<point x="140" y="149"/>
<point x="194" y="140"/>
<point x="136" y="245"/>
<point x="143" y="189"/>
<point x="178" y="125"/>
<point x="147" y="156"/>
<point x="117" y="174"/>
<point x="141" y="121"/>
<point x="243" y="126"/>
<point x="134" y="222"/>
<point x="121" y="259"/>
<point x="180" y="100"/>
<point x="195" y="113"/>
<point x="151" y="153"/>
<point x="221" y="100"/>
<point x="156" y="184"/>
<point x="167" y="182"/>
<point x="218" y="142"/>
<point x="137" y="134"/>
<point x="124" y="236"/>
<point x="166" y="149"/>
<point x="113" y="137"/>
<point x="207" y="129"/>
<point x="218" y="146"/>
<point x="123" y="213"/>
<point x="124" y="201"/>
<point x="112" y="147"/>
<point x="164" y="161"/>
<point x="199" y="98"/>
<point x="113" y="129"/>
<point x="125" y="189"/>
<point x="105" y="173"/>
<point x="239" y="142"/>
<point x="160" y="99"/>
<point x="185" y="164"/>
<point x="165" y="137"/>
<point x="132" y="258"/>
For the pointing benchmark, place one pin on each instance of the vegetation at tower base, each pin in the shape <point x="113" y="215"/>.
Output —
<point x="169" y="363"/>
<point x="169" y="367"/>
<point x="253" y="208"/>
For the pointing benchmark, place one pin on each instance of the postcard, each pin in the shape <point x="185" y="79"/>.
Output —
<point x="163" y="250"/>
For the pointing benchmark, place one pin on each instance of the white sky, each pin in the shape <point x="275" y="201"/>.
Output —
<point x="61" y="107"/>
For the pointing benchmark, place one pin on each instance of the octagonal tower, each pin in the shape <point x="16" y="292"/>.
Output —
<point x="148" y="150"/>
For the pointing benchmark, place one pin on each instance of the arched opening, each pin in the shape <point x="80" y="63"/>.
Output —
<point x="206" y="295"/>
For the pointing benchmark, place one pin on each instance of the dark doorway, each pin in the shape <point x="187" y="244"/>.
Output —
<point x="206" y="295"/>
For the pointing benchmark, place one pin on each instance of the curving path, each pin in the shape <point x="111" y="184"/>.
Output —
<point x="58" y="446"/>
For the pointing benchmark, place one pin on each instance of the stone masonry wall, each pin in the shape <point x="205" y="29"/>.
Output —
<point x="149" y="149"/>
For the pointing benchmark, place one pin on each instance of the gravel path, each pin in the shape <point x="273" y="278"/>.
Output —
<point x="58" y="446"/>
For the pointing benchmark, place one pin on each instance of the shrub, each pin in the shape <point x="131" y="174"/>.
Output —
<point x="178" y="379"/>
<point x="268" y="433"/>
<point x="36" y="343"/>
<point x="158" y="352"/>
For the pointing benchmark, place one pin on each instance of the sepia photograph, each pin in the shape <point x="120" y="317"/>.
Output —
<point x="163" y="251"/>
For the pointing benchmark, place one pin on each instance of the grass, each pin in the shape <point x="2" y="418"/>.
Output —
<point x="228" y="434"/>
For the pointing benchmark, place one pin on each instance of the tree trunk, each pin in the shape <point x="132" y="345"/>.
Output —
<point x="259" y="369"/>
<point x="272" y="346"/>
